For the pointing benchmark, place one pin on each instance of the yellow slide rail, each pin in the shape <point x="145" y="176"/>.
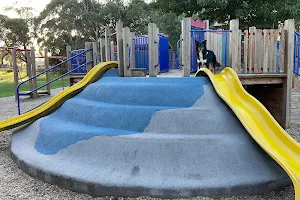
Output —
<point x="54" y="103"/>
<point x="259" y="123"/>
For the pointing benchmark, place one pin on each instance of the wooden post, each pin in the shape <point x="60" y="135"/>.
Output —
<point x="266" y="53"/>
<point x="95" y="53"/>
<point x="289" y="26"/>
<point x="28" y="65"/>
<point x="112" y="51"/>
<point x="282" y="50"/>
<point x="273" y="51"/>
<point x="132" y="50"/>
<point x="107" y="44"/>
<point x="152" y="52"/>
<point x="47" y="73"/>
<point x="251" y="48"/>
<point x="89" y="56"/>
<point x="246" y="43"/>
<point x="102" y="49"/>
<point x="119" y="29"/>
<point x="257" y="51"/>
<point x="29" y="72"/>
<point x="186" y="46"/>
<point x="127" y="67"/>
<point x="69" y="50"/>
<point x="239" y="61"/>
<point x="15" y="70"/>
<point x="234" y="45"/>
<point x="33" y="70"/>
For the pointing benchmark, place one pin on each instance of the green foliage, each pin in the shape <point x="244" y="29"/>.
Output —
<point x="260" y="13"/>
<point x="169" y="24"/>
<point x="68" y="22"/>
<point x="16" y="32"/>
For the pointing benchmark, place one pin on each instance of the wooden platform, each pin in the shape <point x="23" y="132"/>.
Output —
<point x="75" y="78"/>
<point x="262" y="79"/>
<point x="40" y="92"/>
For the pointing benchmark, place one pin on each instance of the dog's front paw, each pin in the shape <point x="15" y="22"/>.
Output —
<point x="198" y="61"/>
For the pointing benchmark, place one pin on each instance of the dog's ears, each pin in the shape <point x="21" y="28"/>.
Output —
<point x="197" y="43"/>
<point x="204" y="41"/>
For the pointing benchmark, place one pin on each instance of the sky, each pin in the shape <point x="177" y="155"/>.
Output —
<point x="38" y="5"/>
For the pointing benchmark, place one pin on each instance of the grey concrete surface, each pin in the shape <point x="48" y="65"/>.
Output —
<point x="198" y="151"/>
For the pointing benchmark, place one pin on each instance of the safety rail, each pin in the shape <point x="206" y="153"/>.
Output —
<point x="43" y="72"/>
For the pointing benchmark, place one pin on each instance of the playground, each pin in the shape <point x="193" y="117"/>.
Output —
<point x="127" y="116"/>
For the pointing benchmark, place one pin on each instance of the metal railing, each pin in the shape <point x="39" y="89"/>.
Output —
<point x="43" y="72"/>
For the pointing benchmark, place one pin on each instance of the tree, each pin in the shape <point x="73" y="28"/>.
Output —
<point x="68" y="22"/>
<point x="260" y="13"/>
<point x="169" y="24"/>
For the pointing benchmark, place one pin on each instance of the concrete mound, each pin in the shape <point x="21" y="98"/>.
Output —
<point x="160" y="137"/>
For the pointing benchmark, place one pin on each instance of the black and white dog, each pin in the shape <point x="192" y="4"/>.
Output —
<point x="206" y="58"/>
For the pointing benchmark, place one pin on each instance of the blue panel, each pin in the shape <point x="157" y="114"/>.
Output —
<point x="78" y="61"/>
<point x="142" y="52"/>
<point x="164" y="54"/>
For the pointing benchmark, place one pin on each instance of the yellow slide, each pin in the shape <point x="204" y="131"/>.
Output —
<point x="259" y="123"/>
<point x="54" y="103"/>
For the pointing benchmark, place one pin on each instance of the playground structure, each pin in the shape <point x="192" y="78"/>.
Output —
<point x="137" y="52"/>
<point x="261" y="58"/>
<point x="163" y="137"/>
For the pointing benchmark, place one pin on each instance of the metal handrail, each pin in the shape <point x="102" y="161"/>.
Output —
<point x="43" y="72"/>
<point x="30" y="92"/>
<point x="155" y="42"/>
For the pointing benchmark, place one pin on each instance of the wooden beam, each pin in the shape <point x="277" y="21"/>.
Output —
<point x="251" y="48"/>
<point x="47" y="73"/>
<point x="273" y="40"/>
<point x="289" y="26"/>
<point x="246" y="45"/>
<point x="239" y="61"/>
<point x="102" y="50"/>
<point x="29" y="71"/>
<point x="68" y="51"/>
<point x="126" y="34"/>
<point x="33" y="70"/>
<point x="119" y="29"/>
<point x="266" y="50"/>
<point x="186" y="46"/>
<point x="89" y="56"/>
<point x="152" y="52"/>
<point x="15" y="70"/>
<point x="282" y="50"/>
<point x="132" y="50"/>
<point x="107" y="44"/>
<point x="112" y="50"/>
<point x="234" y="45"/>
<point x="95" y="53"/>
<point x="261" y="81"/>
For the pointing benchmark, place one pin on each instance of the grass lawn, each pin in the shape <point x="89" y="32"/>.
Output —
<point x="7" y="83"/>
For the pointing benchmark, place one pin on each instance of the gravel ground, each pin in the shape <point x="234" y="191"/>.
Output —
<point x="14" y="184"/>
